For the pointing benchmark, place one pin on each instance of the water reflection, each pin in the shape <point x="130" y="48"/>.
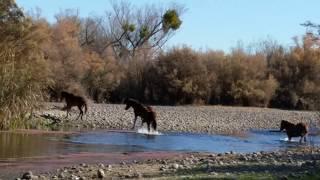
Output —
<point x="14" y="145"/>
<point x="20" y="145"/>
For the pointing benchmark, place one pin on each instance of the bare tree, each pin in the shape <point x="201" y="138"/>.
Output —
<point x="128" y="29"/>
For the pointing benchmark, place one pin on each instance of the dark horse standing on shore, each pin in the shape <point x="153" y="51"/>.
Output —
<point x="73" y="100"/>
<point x="294" y="130"/>
<point x="145" y="112"/>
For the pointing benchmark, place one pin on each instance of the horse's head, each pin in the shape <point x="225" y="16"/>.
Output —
<point x="63" y="95"/>
<point x="283" y="125"/>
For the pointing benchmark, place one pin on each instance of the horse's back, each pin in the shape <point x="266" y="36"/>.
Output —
<point x="74" y="100"/>
<point x="299" y="129"/>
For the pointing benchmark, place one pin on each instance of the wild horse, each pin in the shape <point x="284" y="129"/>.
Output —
<point x="294" y="130"/>
<point x="145" y="112"/>
<point x="74" y="100"/>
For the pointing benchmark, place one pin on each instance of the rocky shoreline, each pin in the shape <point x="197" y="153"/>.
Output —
<point x="302" y="162"/>
<point x="294" y="164"/>
<point x="196" y="119"/>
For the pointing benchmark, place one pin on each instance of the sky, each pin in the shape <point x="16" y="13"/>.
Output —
<point x="211" y="24"/>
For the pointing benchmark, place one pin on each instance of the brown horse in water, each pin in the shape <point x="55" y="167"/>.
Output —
<point x="294" y="130"/>
<point x="73" y="100"/>
<point x="145" y="112"/>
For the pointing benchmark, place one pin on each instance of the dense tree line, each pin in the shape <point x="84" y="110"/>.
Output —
<point x="121" y="55"/>
<point x="23" y="70"/>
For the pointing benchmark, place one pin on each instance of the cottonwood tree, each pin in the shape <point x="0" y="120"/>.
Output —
<point x="313" y="33"/>
<point x="128" y="29"/>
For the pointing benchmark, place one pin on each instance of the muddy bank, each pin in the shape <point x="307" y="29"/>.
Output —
<point x="198" y="119"/>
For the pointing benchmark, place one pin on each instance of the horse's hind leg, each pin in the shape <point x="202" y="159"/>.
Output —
<point x="134" y="122"/>
<point x="81" y="112"/>
<point x="304" y="138"/>
<point x="148" y="126"/>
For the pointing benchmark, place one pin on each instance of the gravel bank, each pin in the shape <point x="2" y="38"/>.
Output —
<point x="197" y="119"/>
<point x="293" y="164"/>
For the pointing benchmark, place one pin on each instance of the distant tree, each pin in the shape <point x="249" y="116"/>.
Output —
<point x="128" y="29"/>
<point x="179" y="77"/>
<point x="312" y="32"/>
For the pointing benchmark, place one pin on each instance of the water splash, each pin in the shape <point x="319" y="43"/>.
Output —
<point x="292" y="140"/>
<point x="145" y="131"/>
<point x="313" y="128"/>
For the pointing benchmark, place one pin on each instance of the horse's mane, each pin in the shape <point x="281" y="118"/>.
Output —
<point x="149" y="108"/>
<point x="133" y="101"/>
<point x="65" y="93"/>
<point x="136" y="102"/>
<point x="286" y="122"/>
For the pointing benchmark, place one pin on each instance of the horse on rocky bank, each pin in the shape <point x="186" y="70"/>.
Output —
<point x="74" y="100"/>
<point x="145" y="112"/>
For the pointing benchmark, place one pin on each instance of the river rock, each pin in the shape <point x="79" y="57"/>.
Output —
<point x="101" y="166"/>
<point x="74" y="177"/>
<point x="62" y="175"/>
<point x="175" y="166"/>
<point x="101" y="173"/>
<point x="243" y="158"/>
<point x="29" y="175"/>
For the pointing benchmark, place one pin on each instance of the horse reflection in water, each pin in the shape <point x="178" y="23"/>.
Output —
<point x="294" y="130"/>
<point x="145" y="112"/>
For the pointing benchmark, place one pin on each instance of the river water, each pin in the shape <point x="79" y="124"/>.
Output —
<point x="22" y="145"/>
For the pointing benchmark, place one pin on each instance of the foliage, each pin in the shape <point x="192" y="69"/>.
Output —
<point x="128" y="30"/>
<point x="181" y="76"/>
<point x="23" y="70"/>
<point x="171" y="20"/>
<point x="110" y="58"/>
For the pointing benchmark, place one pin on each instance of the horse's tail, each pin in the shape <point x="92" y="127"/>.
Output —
<point x="306" y="129"/>
<point x="85" y="107"/>
<point x="153" y="122"/>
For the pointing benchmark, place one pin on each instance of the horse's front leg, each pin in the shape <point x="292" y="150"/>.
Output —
<point x="80" y="115"/>
<point x="148" y="126"/>
<point x="304" y="138"/>
<point x="134" y="121"/>
<point x="67" y="112"/>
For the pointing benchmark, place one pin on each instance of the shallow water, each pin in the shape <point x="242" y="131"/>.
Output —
<point x="253" y="141"/>
<point x="20" y="145"/>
